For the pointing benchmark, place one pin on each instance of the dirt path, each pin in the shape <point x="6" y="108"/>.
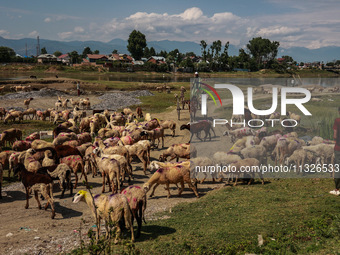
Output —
<point x="32" y="231"/>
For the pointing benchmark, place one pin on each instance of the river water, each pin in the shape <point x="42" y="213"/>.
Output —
<point x="325" y="82"/>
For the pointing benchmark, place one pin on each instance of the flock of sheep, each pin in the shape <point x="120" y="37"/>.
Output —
<point x="104" y="143"/>
<point x="107" y="141"/>
<point x="252" y="147"/>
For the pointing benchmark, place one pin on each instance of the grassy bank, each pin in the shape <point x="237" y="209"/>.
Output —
<point x="292" y="216"/>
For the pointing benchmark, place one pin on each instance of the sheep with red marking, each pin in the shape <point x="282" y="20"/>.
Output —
<point x="170" y="175"/>
<point x="136" y="197"/>
<point x="21" y="145"/>
<point x="239" y="133"/>
<point x="150" y="125"/>
<point x="75" y="162"/>
<point x="31" y="164"/>
<point x="32" y="137"/>
<point x="64" y="137"/>
<point x="84" y="138"/>
<point x="178" y="151"/>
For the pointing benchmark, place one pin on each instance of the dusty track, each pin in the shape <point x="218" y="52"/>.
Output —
<point x="32" y="231"/>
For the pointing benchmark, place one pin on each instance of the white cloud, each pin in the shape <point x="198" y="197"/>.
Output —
<point x="47" y="20"/>
<point x="79" y="29"/>
<point x="33" y="34"/>
<point x="65" y="35"/>
<point x="277" y="30"/>
<point x="190" y="25"/>
<point x="313" y="25"/>
<point x="4" y="33"/>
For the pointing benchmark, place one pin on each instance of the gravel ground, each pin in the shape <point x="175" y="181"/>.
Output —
<point x="44" y="92"/>
<point x="120" y="99"/>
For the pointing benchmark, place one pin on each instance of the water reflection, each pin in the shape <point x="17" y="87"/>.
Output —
<point x="325" y="82"/>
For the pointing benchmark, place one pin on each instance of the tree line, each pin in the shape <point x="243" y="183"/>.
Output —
<point x="259" y="53"/>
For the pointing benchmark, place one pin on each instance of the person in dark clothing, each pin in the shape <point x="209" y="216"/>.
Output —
<point x="336" y="128"/>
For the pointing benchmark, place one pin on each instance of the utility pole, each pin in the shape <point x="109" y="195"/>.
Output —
<point x="38" y="46"/>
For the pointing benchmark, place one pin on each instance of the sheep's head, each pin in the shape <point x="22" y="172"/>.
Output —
<point x="31" y="151"/>
<point x="153" y="166"/>
<point x="226" y="133"/>
<point x="162" y="158"/>
<point x="185" y="126"/>
<point x="79" y="196"/>
<point x="146" y="187"/>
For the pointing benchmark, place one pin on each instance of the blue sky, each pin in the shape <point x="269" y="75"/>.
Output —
<point x="312" y="24"/>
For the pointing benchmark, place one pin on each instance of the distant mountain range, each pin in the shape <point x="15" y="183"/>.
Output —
<point x="299" y="54"/>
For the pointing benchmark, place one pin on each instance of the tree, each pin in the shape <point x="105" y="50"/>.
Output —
<point x="152" y="51"/>
<point x="163" y="53"/>
<point x="6" y="54"/>
<point x="204" y="45"/>
<point x="146" y="53"/>
<point x="43" y="51"/>
<point x="86" y="51"/>
<point x="263" y="51"/>
<point x="136" y="44"/>
<point x="115" y="51"/>
<point x="57" y="53"/>
<point x="74" y="56"/>
<point x="225" y="57"/>
<point x="96" y="52"/>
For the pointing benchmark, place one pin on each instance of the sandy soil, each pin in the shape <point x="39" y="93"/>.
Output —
<point x="32" y="231"/>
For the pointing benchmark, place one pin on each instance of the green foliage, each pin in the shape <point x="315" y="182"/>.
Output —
<point x="86" y="51"/>
<point x="74" y="57"/>
<point x="263" y="51"/>
<point x="6" y="54"/>
<point x="57" y="53"/>
<point x="136" y="44"/>
<point x="96" y="52"/>
<point x="43" y="51"/>
<point x="204" y="45"/>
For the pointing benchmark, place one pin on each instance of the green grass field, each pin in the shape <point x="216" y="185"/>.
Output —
<point x="292" y="215"/>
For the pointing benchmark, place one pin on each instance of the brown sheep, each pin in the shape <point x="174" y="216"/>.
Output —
<point x="27" y="102"/>
<point x="75" y="162"/>
<point x="170" y="175"/>
<point x="10" y="135"/>
<point x="178" y="151"/>
<point x="169" y="124"/>
<point x="136" y="197"/>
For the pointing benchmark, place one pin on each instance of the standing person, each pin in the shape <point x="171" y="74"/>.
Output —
<point x="336" y="128"/>
<point x="78" y="88"/>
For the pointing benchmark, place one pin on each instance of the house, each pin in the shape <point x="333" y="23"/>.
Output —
<point x="156" y="60"/>
<point x="123" y="58"/>
<point x="93" y="58"/>
<point x="47" y="59"/>
<point x="65" y="59"/>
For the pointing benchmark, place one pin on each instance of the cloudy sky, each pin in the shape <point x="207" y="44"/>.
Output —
<point x="312" y="23"/>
